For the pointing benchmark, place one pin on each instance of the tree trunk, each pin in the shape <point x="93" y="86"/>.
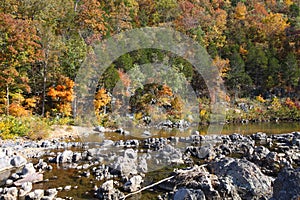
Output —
<point x="7" y="100"/>
<point x="44" y="82"/>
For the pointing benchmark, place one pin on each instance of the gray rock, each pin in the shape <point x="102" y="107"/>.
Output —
<point x="14" y="176"/>
<point x="41" y="164"/>
<point x="51" y="192"/>
<point x="25" y="188"/>
<point x="107" y="143"/>
<point x="126" y="164"/>
<point x="246" y="176"/>
<point x="108" y="192"/>
<point x="28" y="169"/>
<point x="18" y="161"/>
<point x="100" y="129"/>
<point x="130" y="153"/>
<point x="287" y="185"/>
<point x="108" y="186"/>
<point x="33" y="178"/>
<point x="146" y="133"/>
<point x="261" y="151"/>
<point x="9" y="182"/>
<point x="133" y="184"/>
<point x="65" y="157"/>
<point x="10" y="193"/>
<point x="259" y="136"/>
<point x="35" y="195"/>
<point x="5" y="164"/>
<point x="169" y="155"/>
<point x="46" y="144"/>
<point x="190" y="194"/>
<point x="76" y="157"/>
<point x="68" y="187"/>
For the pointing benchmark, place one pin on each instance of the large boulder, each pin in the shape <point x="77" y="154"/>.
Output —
<point x="246" y="177"/>
<point x="287" y="185"/>
<point x="126" y="164"/>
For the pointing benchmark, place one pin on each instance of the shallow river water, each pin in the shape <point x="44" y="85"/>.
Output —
<point x="62" y="176"/>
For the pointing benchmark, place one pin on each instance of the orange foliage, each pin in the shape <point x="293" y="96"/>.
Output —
<point x="243" y="51"/>
<point x="18" y="110"/>
<point x="62" y="94"/>
<point x="124" y="78"/>
<point x="290" y="103"/>
<point x="165" y="91"/>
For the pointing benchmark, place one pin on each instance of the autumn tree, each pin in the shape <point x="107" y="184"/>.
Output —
<point x="102" y="99"/>
<point x="19" y="49"/>
<point x="91" y="20"/>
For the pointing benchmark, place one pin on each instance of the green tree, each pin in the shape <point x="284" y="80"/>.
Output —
<point x="237" y="80"/>
<point x="257" y="65"/>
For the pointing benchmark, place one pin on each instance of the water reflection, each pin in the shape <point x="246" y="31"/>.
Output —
<point x="245" y="129"/>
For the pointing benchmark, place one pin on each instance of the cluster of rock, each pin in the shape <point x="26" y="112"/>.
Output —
<point x="240" y="167"/>
<point x="258" y="166"/>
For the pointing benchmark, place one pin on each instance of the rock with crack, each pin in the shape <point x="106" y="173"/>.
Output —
<point x="247" y="177"/>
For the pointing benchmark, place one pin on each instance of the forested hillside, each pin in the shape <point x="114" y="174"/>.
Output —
<point x="255" y="44"/>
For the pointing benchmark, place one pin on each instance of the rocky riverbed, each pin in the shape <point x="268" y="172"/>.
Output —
<point x="257" y="166"/>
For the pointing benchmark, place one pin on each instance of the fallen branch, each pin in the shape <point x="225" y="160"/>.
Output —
<point x="163" y="180"/>
<point x="147" y="187"/>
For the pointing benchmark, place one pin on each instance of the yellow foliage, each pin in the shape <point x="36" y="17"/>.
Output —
<point x="202" y="113"/>
<point x="138" y="116"/>
<point x="260" y="99"/>
<point x="243" y="51"/>
<point x="4" y="131"/>
<point x="222" y="65"/>
<point x="275" y="103"/>
<point x="101" y="99"/>
<point x="30" y="102"/>
<point x="240" y="11"/>
<point x="274" y="24"/>
<point x="288" y="2"/>
<point x="177" y="106"/>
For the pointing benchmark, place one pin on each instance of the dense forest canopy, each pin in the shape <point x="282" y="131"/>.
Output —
<point x="255" y="45"/>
